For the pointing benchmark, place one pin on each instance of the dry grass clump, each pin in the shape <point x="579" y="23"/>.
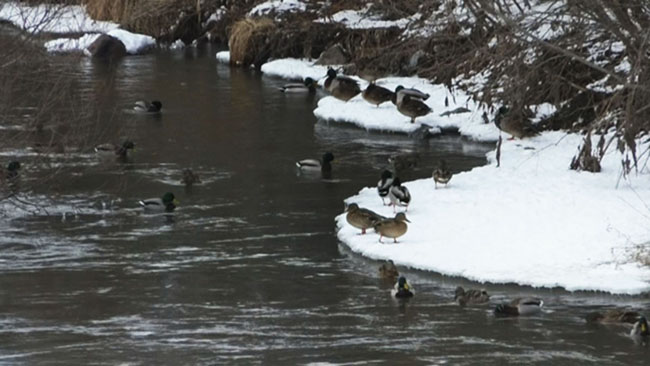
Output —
<point x="248" y="41"/>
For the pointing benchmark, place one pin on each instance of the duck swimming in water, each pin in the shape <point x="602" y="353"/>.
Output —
<point x="115" y="150"/>
<point x="470" y="297"/>
<point x="388" y="271"/>
<point x="324" y="165"/>
<point x="521" y="306"/>
<point x="308" y="86"/>
<point x="402" y="289"/>
<point x="190" y="178"/>
<point x="167" y="203"/>
<point x="143" y="106"/>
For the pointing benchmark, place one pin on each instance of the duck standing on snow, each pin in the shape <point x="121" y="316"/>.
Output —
<point x="399" y="195"/>
<point x="384" y="184"/>
<point x="117" y="150"/>
<point x="515" y="124"/>
<point x="402" y="289"/>
<point x="143" y="106"/>
<point x="167" y="203"/>
<point x="362" y="218"/>
<point x="441" y="174"/>
<point x="324" y="165"/>
<point x="375" y="94"/>
<point x="401" y="92"/>
<point x="189" y="178"/>
<point x="521" y="306"/>
<point x="470" y="297"/>
<point x="388" y="271"/>
<point x="393" y="227"/>
<point x="341" y="87"/>
<point x="412" y="107"/>
<point x="308" y="86"/>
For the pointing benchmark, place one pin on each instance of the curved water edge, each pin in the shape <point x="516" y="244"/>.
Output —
<point x="247" y="270"/>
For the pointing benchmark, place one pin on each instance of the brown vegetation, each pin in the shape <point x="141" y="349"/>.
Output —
<point x="249" y="41"/>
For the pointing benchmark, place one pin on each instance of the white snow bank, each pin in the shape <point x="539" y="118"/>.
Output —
<point x="134" y="43"/>
<point x="531" y="221"/>
<point x="361" y="19"/>
<point x="52" y="18"/>
<point x="386" y="117"/>
<point x="278" y="7"/>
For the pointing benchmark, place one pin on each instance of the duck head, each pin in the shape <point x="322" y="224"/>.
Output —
<point x="157" y="104"/>
<point x="352" y="207"/>
<point x="502" y="111"/>
<point x="328" y="157"/>
<point x="459" y="292"/>
<point x="331" y="73"/>
<point x="128" y="145"/>
<point x="386" y="174"/>
<point x="168" y="198"/>
<point x="397" y="182"/>
<point x="401" y="283"/>
<point x="309" y="82"/>
<point x="398" y="88"/>
<point x="643" y="326"/>
<point x="401" y="216"/>
<point x="13" y="166"/>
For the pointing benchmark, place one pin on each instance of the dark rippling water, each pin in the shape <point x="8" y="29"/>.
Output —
<point x="249" y="270"/>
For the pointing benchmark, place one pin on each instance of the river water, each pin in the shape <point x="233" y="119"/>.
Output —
<point x="249" y="269"/>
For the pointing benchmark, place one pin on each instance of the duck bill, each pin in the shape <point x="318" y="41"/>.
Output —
<point x="176" y="202"/>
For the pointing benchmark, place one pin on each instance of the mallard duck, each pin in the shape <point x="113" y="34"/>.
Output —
<point x="402" y="289"/>
<point x="401" y="92"/>
<point x="384" y="184"/>
<point x="522" y="306"/>
<point x="375" y="94"/>
<point x="403" y="162"/>
<point x="399" y="195"/>
<point x="411" y="107"/>
<point x="143" y="106"/>
<point x="393" y="227"/>
<point x="341" y="87"/>
<point x="117" y="150"/>
<point x="515" y="124"/>
<point x="324" y="165"/>
<point x="441" y="174"/>
<point x="388" y="271"/>
<point x="307" y="86"/>
<point x="470" y="297"/>
<point x="640" y="328"/>
<point x="166" y="203"/>
<point x="189" y="177"/>
<point x="12" y="170"/>
<point x="362" y="218"/>
<point x="613" y="316"/>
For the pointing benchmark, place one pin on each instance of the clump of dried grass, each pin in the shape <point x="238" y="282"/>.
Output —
<point x="248" y="41"/>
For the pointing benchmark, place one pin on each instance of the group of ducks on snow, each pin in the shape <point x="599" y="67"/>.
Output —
<point x="409" y="101"/>
<point x="517" y="307"/>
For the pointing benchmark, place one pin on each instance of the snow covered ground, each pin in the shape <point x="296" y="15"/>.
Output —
<point x="532" y="221"/>
<point x="69" y="19"/>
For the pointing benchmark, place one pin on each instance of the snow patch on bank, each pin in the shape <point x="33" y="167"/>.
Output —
<point x="52" y="18"/>
<point x="134" y="43"/>
<point x="278" y="7"/>
<point x="531" y="221"/>
<point x="362" y="19"/>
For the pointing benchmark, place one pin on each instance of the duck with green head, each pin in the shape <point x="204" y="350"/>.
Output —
<point x="520" y="306"/>
<point x="640" y="328"/>
<point x="341" y="87"/>
<point x="143" y="106"/>
<point x="307" y="86"/>
<point x="402" y="289"/>
<point x="167" y="203"/>
<point x="384" y="184"/>
<point x="12" y="170"/>
<point x="115" y="150"/>
<point x="324" y="165"/>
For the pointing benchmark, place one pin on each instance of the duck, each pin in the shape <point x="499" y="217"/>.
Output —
<point x="401" y="92"/>
<point x="12" y="170"/>
<point x="640" y="328"/>
<point x="375" y="94"/>
<point x="189" y="177"/>
<point x="307" y="86"/>
<point x="143" y="106"/>
<point x="411" y="106"/>
<point x="362" y="218"/>
<point x="392" y="227"/>
<point x="166" y="203"/>
<point x="613" y="316"/>
<point x="384" y="184"/>
<point x="388" y="271"/>
<point x="520" y="306"/>
<point x="399" y="195"/>
<point x="441" y="174"/>
<point x="341" y="87"/>
<point x="517" y="125"/>
<point x="109" y="149"/>
<point x="470" y="297"/>
<point x="403" y="162"/>
<point x="402" y="289"/>
<point x="324" y="165"/>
